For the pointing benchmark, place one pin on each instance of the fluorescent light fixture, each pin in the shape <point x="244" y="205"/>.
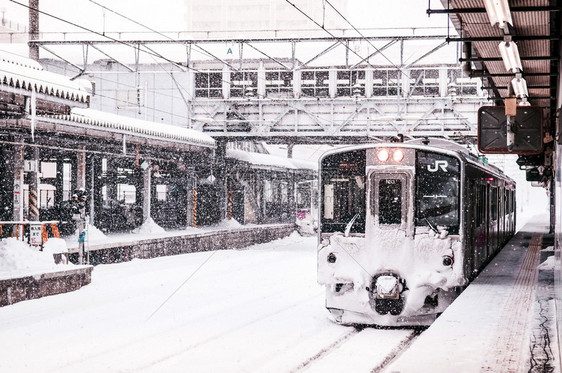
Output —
<point x="520" y="87"/>
<point x="510" y="56"/>
<point x="498" y="13"/>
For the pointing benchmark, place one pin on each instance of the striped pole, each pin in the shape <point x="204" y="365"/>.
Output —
<point x="194" y="207"/>
<point x="229" y="203"/>
<point x="33" y="205"/>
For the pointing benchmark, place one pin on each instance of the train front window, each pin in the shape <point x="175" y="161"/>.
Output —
<point x="343" y="192"/>
<point x="390" y="201"/>
<point x="437" y="191"/>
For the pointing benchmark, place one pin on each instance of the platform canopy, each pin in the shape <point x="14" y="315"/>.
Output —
<point x="23" y="74"/>
<point x="138" y="127"/>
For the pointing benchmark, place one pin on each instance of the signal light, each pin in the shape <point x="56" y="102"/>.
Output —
<point x="383" y="155"/>
<point x="398" y="155"/>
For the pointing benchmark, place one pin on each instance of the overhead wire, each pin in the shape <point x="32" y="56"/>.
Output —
<point x="147" y="50"/>
<point x="336" y="38"/>
<point x="363" y="36"/>
<point x="150" y="52"/>
<point x="158" y="32"/>
<point x="181" y="89"/>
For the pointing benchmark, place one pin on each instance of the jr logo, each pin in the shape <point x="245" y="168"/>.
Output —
<point x="438" y="164"/>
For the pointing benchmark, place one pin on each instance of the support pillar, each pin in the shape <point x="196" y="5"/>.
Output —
<point x="97" y="189"/>
<point x="81" y="220"/>
<point x="291" y="199"/>
<point x="111" y="179"/>
<point x="59" y="182"/>
<point x="220" y="174"/>
<point x="18" y="183"/>
<point x="190" y="186"/>
<point x="81" y="169"/>
<point x="146" y="190"/>
<point x="33" y="183"/>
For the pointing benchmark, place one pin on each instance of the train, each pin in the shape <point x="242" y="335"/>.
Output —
<point x="404" y="227"/>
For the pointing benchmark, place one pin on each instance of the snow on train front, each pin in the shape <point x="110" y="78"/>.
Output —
<point x="390" y="249"/>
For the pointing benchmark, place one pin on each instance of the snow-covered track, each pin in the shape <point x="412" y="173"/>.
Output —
<point x="360" y="350"/>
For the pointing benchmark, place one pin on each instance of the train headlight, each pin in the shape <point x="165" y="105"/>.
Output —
<point x="383" y="155"/>
<point x="398" y="155"/>
<point x="331" y="258"/>
<point x="448" y="261"/>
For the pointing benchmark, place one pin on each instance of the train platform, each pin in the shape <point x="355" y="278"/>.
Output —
<point x="505" y="321"/>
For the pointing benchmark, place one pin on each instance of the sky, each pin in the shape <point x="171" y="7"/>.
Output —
<point x="388" y="17"/>
<point x="168" y="15"/>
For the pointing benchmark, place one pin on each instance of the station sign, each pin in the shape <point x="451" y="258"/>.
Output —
<point x="35" y="238"/>
<point x="527" y="129"/>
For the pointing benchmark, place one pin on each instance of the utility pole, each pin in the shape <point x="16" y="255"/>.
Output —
<point x="33" y="174"/>
<point x="34" y="28"/>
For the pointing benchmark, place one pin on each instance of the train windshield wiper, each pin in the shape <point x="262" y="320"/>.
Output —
<point x="349" y="225"/>
<point x="431" y="226"/>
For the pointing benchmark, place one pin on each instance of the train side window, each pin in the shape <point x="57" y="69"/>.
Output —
<point x="494" y="204"/>
<point x="390" y="201"/>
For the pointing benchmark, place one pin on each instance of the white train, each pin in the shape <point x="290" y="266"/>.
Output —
<point x="404" y="227"/>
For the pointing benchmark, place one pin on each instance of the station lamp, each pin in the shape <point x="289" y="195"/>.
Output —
<point x="498" y="13"/>
<point x="510" y="56"/>
<point x="520" y="87"/>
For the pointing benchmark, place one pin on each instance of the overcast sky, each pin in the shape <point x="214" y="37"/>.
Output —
<point x="168" y="15"/>
<point x="389" y="17"/>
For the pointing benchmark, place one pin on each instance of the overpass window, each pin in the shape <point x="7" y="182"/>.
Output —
<point x="424" y="82"/>
<point x="243" y="84"/>
<point x="315" y="83"/>
<point x="208" y="84"/>
<point x="279" y="83"/>
<point x="386" y="82"/>
<point x="350" y="83"/>
<point x="343" y="83"/>
<point x="461" y="84"/>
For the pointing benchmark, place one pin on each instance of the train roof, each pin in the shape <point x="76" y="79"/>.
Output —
<point x="434" y="144"/>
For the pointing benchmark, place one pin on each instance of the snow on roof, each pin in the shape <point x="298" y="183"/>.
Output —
<point x="269" y="161"/>
<point x="121" y="123"/>
<point x="439" y="143"/>
<point x="27" y="74"/>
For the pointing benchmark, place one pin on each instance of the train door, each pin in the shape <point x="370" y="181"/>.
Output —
<point x="492" y="221"/>
<point x="481" y="231"/>
<point x="471" y="222"/>
<point x="389" y="201"/>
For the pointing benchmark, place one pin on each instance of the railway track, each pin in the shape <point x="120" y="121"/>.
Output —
<point x="360" y="350"/>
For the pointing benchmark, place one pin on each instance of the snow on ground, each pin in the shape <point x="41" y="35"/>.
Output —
<point x="257" y="309"/>
<point x="149" y="229"/>
<point x="18" y="259"/>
